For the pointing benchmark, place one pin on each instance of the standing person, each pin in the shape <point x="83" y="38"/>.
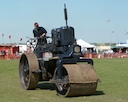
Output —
<point x="120" y="52"/>
<point x="40" y="32"/>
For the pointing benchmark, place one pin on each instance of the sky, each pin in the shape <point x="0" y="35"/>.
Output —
<point x="95" y="21"/>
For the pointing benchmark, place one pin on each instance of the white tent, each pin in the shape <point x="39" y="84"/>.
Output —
<point x="84" y="44"/>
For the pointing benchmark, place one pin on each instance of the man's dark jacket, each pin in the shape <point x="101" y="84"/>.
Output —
<point x="37" y="33"/>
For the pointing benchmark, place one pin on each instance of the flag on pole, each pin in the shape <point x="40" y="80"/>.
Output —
<point x="2" y="38"/>
<point x="9" y="37"/>
<point x="21" y="39"/>
<point x="2" y="35"/>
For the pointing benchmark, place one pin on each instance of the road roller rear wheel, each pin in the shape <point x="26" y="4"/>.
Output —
<point x="78" y="80"/>
<point x="27" y="65"/>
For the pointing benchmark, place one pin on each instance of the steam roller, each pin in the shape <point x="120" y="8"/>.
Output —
<point x="78" y="79"/>
<point x="59" y="62"/>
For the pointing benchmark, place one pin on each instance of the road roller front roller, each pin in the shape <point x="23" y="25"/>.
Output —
<point x="78" y="80"/>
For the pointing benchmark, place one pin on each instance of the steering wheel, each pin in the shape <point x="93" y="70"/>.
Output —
<point x="31" y="43"/>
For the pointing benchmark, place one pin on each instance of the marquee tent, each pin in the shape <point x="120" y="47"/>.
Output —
<point x="84" y="44"/>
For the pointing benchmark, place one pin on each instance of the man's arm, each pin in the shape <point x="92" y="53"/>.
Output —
<point x="34" y="33"/>
<point x="44" y="32"/>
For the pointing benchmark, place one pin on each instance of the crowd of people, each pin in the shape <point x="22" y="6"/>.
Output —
<point x="7" y="54"/>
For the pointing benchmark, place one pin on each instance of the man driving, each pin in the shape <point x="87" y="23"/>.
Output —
<point x="40" y="33"/>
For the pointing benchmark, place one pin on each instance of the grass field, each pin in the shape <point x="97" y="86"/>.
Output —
<point x="113" y="87"/>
